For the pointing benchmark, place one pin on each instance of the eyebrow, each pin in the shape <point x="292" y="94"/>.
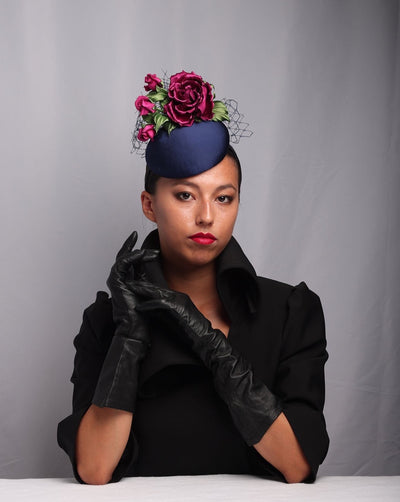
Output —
<point x="194" y="185"/>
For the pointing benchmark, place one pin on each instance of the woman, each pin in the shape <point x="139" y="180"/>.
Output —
<point x="195" y="365"/>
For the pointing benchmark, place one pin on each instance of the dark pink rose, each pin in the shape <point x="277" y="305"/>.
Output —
<point x="152" y="81"/>
<point x="146" y="132"/>
<point x="190" y="99"/>
<point x="144" y="105"/>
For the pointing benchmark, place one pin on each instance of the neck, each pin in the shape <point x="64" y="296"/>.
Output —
<point x="198" y="282"/>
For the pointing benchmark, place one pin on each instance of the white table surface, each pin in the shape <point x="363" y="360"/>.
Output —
<point x="204" y="488"/>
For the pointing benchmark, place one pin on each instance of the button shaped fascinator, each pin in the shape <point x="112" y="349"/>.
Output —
<point x="186" y="130"/>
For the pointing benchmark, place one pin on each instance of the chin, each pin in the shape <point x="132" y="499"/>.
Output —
<point x="204" y="257"/>
<point x="193" y="256"/>
<point x="192" y="260"/>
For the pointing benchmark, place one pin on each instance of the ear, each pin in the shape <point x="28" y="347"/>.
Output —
<point x="147" y="206"/>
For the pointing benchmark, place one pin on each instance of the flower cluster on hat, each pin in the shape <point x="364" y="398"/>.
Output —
<point x="186" y="100"/>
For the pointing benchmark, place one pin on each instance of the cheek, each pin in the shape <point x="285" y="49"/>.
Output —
<point x="230" y="216"/>
<point x="226" y="224"/>
<point x="171" y="217"/>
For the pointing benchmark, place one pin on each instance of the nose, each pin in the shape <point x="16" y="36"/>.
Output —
<point x="204" y="215"/>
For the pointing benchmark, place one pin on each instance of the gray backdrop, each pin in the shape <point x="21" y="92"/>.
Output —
<point x="318" y="81"/>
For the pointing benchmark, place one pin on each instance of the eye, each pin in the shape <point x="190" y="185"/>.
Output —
<point x="183" y="195"/>
<point x="225" y="199"/>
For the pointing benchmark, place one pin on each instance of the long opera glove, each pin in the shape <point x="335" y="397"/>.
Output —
<point x="118" y="380"/>
<point x="252" y="405"/>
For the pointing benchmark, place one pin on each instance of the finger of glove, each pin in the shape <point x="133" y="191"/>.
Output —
<point x="134" y="258"/>
<point x="116" y="281"/>
<point x="125" y="262"/>
<point x="149" y="290"/>
<point x="151" y="305"/>
<point x="167" y="309"/>
<point x="128" y="244"/>
<point x="122" y="271"/>
<point x="139" y="269"/>
<point x="150" y="254"/>
<point x="120" y="278"/>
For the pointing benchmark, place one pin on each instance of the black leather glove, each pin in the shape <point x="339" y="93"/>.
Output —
<point x="252" y="405"/>
<point x="118" y="380"/>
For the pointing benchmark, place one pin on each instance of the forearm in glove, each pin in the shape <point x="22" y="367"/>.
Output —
<point x="252" y="405"/>
<point x="118" y="380"/>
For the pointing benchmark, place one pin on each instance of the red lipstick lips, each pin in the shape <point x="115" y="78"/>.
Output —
<point x="204" y="239"/>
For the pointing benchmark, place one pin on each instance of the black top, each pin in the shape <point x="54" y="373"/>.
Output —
<point x="180" y="425"/>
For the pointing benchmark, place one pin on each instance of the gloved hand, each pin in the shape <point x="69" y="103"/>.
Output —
<point x="118" y="380"/>
<point x="126" y="267"/>
<point x="252" y="405"/>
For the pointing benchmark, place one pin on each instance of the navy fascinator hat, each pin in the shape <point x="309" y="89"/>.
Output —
<point x="187" y="151"/>
<point x="183" y="125"/>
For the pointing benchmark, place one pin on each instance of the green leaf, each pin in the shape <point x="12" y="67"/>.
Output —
<point x="158" y="95"/>
<point x="149" y="118"/>
<point x="220" y="112"/>
<point x="170" y="126"/>
<point x="213" y="90"/>
<point x="159" y="120"/>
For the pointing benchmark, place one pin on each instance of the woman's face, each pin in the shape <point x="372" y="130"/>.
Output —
<point x="196" y="215"/>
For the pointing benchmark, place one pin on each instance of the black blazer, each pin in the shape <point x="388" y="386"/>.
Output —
<point x="180" y="425"/>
